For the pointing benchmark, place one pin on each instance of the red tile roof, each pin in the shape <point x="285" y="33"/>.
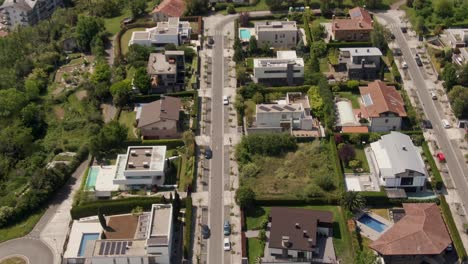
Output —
<point x="421" y="231"/>
<point x="355" y="129"/>
<point x="360" y="20"/>
<point x="384" y="99"/>
<point x="172" y="8"/>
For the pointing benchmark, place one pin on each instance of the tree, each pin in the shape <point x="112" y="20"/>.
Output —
<point x="33" y="116"/>
<point x="6" y="212"/>
<point x="111" y="136"/>
<point x="317" y="32"/>
<point x="253" y="47"/>
<point x="316" y="101"/>
<point x="141" y="80"/>
<point x="443" y="8"/>
<point x="458" y="98"/>
<point x="11" y="102"/>
<point x="346" y="153"/>
<point x="15" y="141"/>
<point x="241" y="75"/>
<point x="196" y="7"/>
<point x="102" y="220"/>
<point x="366" y="257"/>
<point x="355" y="164"/>
<point x="274" y="4"/>
<point x="325" y="182"/>
<point x="245" y="197"/>
<point x="352" y="84"/>
<point x="313" y="65"/>
<point x="244" y="19"/>
<point x="102" y="72"/>
<point x="319" y="48"/>
<point x="449" y="75"/>
<point x="238" y="52"/>
<point x="355" y="138"/>
<point x="266" y="49"/>
<point x="138" y="7"/>
<point x="419" y="26"/>
<point x="36" y="83"/>
<point x="352" y="201"/>
<point x="258" y="98"/>
<point x="138" y="55"/>
<point x="121" y="92"/>
<point x="463" y="78"/>
<point x="379" y="37"/>
<point x="86" y="29"/>
<point x="170" y="46"/>
<point x="230" y="9"/>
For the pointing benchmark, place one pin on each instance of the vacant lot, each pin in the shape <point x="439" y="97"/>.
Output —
<point x="127" y="118"/>
<point x="294" y="175"/>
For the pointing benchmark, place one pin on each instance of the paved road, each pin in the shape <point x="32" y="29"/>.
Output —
<point x="455" y="162"/>
<point x="35" y="250"/>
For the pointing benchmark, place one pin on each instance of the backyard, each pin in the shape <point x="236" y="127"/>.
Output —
<point x="126" y="38"/>
<point x="361" y="156"/>
<point x="255" y="249"/>
<point x="127" y="118"/>
<point x="341" y="237"/>
<point x="353" y="97"/>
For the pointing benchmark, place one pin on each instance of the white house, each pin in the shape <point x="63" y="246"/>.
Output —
<point x="398" y="162"/>
<point x="286" y="67"/>
<point x="383" y="106"/>
<point x="171" y="31"/>
<point x="277" y="34"/>
<point x="26" y="12"/>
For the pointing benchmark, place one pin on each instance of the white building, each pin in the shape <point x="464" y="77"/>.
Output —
<point x="278" y="34"/>
<point x="285" y="67"/>
<point x="456" y="37"/>
<point x="141" y="166"/>
<point x="173" y="31"/>
<point x="145" y="239"/>
<point x="290" y="114"/>
<point x="398" y="162"/>
<point x="26" y="12"/>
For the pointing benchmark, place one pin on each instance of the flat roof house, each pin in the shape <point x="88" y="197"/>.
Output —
<point x="360" y="63"/>
<point x="356" y="28"/>
<point x="456" y="37"/>
<point x="383" y="106"/>
<point x="141" y="166"/>
<point x="171" y="32"/>
<point x="167" y="71"/>
<point x="26" y="12"/>
<point x="146" y="238"/>
<point x="301" y="235"/>
<point x="286" y="67"/>
<point x="278" y="34"/>
<point x="167" y="9"/>
<point x="160" y="119"/>
<point x="420" y="234"/>
<point x="398" y="162"/>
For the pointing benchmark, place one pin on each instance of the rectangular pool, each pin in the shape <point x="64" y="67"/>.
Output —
<point x="372" y="223"/>
<point x="92" y="176"/>
<point x="244" y="34"/>
<point x="84" y="240"/>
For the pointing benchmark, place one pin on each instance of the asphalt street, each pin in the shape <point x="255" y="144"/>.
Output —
<point x="35" y="250"/>
<point x="455" y="163"/>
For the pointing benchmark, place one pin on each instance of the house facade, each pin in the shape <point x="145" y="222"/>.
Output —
<point x="383" y="106"/>
<point x="356" y="28"/>
<point x="297" y="234"/>
<point x="15" y="13"/>
<point x="286" y="68"/>
<point x="456" y="37"/>
<point x="172" y="31"/>
<point x="167" y="71"/>
<point x="360" y="63"/>
<point x="141" y="167"/>
<point x="160" y="119"/>
<point x="167" y="9"/>
<point x="277" y="34"/>
<point x="398" y="162"/>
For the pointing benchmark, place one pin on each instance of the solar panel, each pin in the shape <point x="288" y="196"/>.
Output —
<point x="106" y="251"/>
<point x="290" y="108"/>
<point x="117" y="248"/>
<point x="366" y="98"/>
<point x="264" y="108"/>
<point x="101" y="249"/>
<point x="124" y="247"/>
<point x="277" y="108"/>
<point x="112" y="249"/>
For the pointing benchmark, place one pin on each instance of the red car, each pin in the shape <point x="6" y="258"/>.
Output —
<point x="441" y="156"/>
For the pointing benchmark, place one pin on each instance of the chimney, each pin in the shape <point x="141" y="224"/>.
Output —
<point x="304" y="233"/>
<point x="297" y="226"/>
<point x="310" y="240"/>
<point x="285" y="241"/>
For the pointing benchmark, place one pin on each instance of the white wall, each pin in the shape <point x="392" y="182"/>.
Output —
<point x="418" y="181"/>
<point x="273" y="119"/>
<point x="385" y="124"/>
<point x="277" y="39"/>
<point x="165" y="39"/>
<point x="262" y="72"/>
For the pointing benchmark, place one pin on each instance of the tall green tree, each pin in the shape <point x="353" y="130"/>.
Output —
<point x="379" y="37"/>
<point x="87" y="28"/>
<point x="141" y="80"/>
<point x="121" y="92"/>
<point x="253" y="46"/>
<point x="138" y="7"/>
<point x="352" y="201"/>
<point x="449" y="75"/>
<point x="11" y="102"/>
<point x="245" y="197"/>
<point x="458" y="98"/>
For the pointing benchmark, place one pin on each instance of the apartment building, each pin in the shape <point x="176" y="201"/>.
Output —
<point x="172" y="31"/>
<point x="15" y="13"/>
<point x="167" y="71"/>
<point x="360" y="63"/>
<point x="286" y="68"/>
<point x="357" y="27"/>
<point x="278" y="34"/>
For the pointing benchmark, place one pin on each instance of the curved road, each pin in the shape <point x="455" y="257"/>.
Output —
<point x="34" y="249"/>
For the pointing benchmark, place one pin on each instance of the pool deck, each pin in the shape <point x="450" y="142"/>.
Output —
<point x="369" y="232"/>
<point x="76" y="233"/>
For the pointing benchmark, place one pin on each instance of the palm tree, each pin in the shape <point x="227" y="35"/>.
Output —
<point x="352" y="201"/>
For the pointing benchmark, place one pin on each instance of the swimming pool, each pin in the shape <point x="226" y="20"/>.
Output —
<point x="84" y="240"/>
<point x="244" y="34"/>
<point x="372" y="223"/>
<point x="92" y="176"/>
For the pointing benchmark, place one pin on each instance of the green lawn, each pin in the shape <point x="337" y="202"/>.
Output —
<point x="127" y="118"/>
<point x="255" y="249"/>
<point x="324" y="65"/>
<point x="13" y="260"/>
<point x="173" y="172"/>
<point x="360" y="155"/>
<point x="260" y="6"/>
<point x="112" y="25"/>
<point x="186" y="172"/>
<point x="354" y="98"/>
<point x="21" y="228"/>
<point x="126" y="38"/>
<point x="255" y="217"/>
<point x="341" y="235"/>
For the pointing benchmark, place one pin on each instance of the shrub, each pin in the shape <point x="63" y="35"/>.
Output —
<point x="325" y="182"/>
<point x="457" y="242"/>
<point x="313" y="191"/>
<point x="245" y="197"/>
<point x="230" y="9"/>
<point x="262" y="235"/>
<point x="352" y="84"/>
<point x="355" y="164"/>
<point x="188" y="226"/>
<point x="250" y="170"/>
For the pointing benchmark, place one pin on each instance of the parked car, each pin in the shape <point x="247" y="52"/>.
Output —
<point x="426" y="124"/>
<point x="404" y="29"/>
<point x="210" y="41"/>
<point x="404" y="65"/>
<point x="433" y="96"/>
<point x="208" y="153"/>
<point x="397" y="52"/>
<point x="418" y="60"/>
<point x="446" y="123"/>
<point x="227" y="228"/>
<point x="449" y="248"/>
<point x="205" y="230"/>
<point x="392" y="36"/>
<point x="225" y="100"/>
<point x="227" y="244"/>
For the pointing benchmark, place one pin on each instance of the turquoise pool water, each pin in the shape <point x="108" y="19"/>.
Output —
<point x="244" y="34"/>
<point x="372" y="223"/>
<point x="84" y="239"/>
<point x="92" y="176"/>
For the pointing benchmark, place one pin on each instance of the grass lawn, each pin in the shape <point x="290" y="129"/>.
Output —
<point x="324" y="65"/>
<point x="21" y="228"/>
<point x="13" y="260"/>
<point x="354" y="98"/>
<point x="260" y="6"/>
<point x="127" y="118"/>
<point x="173" y="172"/>
<point x="288" y="175"/>
<point x="126" y="38"/>
<point x="255" y="249"/>
<point x="341" y="235"/>
<point x="112" y="25"/>
<point x="360" y="155"/>
<point x="383" y="212"/>
<point x="255" y="217"/>
<point x="186" y="172"/>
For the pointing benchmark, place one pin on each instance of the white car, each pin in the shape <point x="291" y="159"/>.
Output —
<point x="404" y="65"/>
<point x="225" y="100"/>
<point x="227" y="244"/>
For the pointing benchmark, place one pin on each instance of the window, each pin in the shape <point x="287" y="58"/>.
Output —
<point x="158" y="177"/>
<point x="283" y="116"/>
<point x="276" y="36"/>
<point x="155" y="128"/>
<point x="386" y="120"/>
<point x="406" y="181"/>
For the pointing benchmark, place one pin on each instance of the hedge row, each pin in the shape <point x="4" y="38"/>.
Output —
<point x="337" y="45"/>
<point x="298" y="202"/>
<point x="153" y="97"/>
<point x="195" y="112"/>
<point x="437" y="183"/>
<point x="188" y="227"/>
<point x="452" y="227"/>
<point x="337" y="164"/>
<point x="170" y="143"/>
<point x="112" y="207"/>
<point x="287" y="89"/>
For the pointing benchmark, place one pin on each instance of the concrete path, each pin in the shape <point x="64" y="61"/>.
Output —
<point x="251" y="233"/>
